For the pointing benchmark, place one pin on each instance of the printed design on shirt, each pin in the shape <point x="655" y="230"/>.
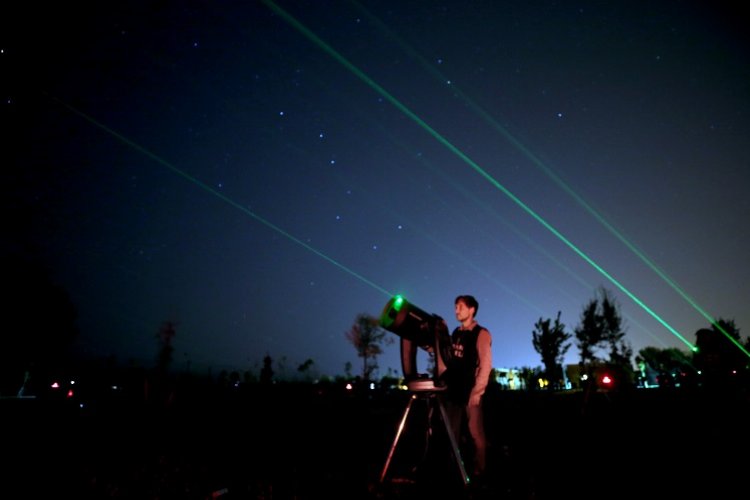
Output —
<point x="458" y="351"/>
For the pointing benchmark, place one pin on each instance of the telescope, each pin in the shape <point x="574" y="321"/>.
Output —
<point x="418" y="329"/>
<point x="421" y="330"/>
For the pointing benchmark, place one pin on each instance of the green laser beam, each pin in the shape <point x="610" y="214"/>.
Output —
<point x="485" y="206"/>
<point x="548" y="171"/>
<point x="460" y="154"/>
<point x="220" y="195"/>
<point x="465" y="192"/>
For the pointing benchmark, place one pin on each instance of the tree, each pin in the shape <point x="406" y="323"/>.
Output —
<point x="158" y="387"/>
<point x="528" y="377"/>
<point x="164" y="336"/>
<point x="550" y="343"/>
<point x="720" y="355"/>
<point x="266" y="373"/>
<point x="367" y="337"/>
<point x="589" y="334"/>
<point x="306" y="369"/>
<point x="601" y="327"/>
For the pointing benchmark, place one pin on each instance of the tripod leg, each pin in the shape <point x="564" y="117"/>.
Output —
<point x="400" y="430"/>
<point x="454" y="443"/>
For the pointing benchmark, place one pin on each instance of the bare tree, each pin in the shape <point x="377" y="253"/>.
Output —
<point x="664" y="366"/>
<point x="589" y="333"/>
<point x="306" y="370"/>
<point x="266" y="373"/>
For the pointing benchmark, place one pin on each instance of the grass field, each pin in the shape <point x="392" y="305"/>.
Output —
<point x="301" y="442"/>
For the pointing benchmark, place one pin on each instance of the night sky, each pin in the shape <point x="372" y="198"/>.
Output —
<point x="261" y="173"/>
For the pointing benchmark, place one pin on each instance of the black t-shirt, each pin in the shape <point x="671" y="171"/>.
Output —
<point x="461" y="372"/>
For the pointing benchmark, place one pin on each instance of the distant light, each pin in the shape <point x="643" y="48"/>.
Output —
<point x="606" y="380"/>
<point x="55" y="385"/>
<point x="372" y="385"/>
<point x="349" y="386"/>
<point x="70" y="393"/>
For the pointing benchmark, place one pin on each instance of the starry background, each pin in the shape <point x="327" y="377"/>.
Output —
<point x="261" y="173"/>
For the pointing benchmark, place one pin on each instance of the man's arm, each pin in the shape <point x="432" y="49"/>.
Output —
<point x="482" y="378"/>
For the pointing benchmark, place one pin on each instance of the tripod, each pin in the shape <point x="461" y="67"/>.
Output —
<point x="426" y="391"/>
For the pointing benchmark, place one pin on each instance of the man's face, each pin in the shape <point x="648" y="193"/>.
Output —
<point x="463" y="312"/>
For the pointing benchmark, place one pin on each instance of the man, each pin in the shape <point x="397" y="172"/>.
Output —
<point x="467" y="377"/>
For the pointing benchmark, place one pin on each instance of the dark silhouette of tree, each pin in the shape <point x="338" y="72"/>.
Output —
<point x="164" y="337"/>
<point x="281" y="369"/>
<point x="601" y="328"/>
<point x="550" y="343"/>
<point x="367" y="337"/>
<point x="266" y="373"/>
<point x="720" y="356"/>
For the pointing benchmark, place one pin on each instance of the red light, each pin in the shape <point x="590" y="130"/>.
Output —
<point x="607" y="380"/>
<point x="70" y="393"/>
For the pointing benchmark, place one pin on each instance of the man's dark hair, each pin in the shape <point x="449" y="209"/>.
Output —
<point x="470" y="301"/>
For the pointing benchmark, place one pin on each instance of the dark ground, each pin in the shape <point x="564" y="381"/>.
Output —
<point x="298" y="442"/>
